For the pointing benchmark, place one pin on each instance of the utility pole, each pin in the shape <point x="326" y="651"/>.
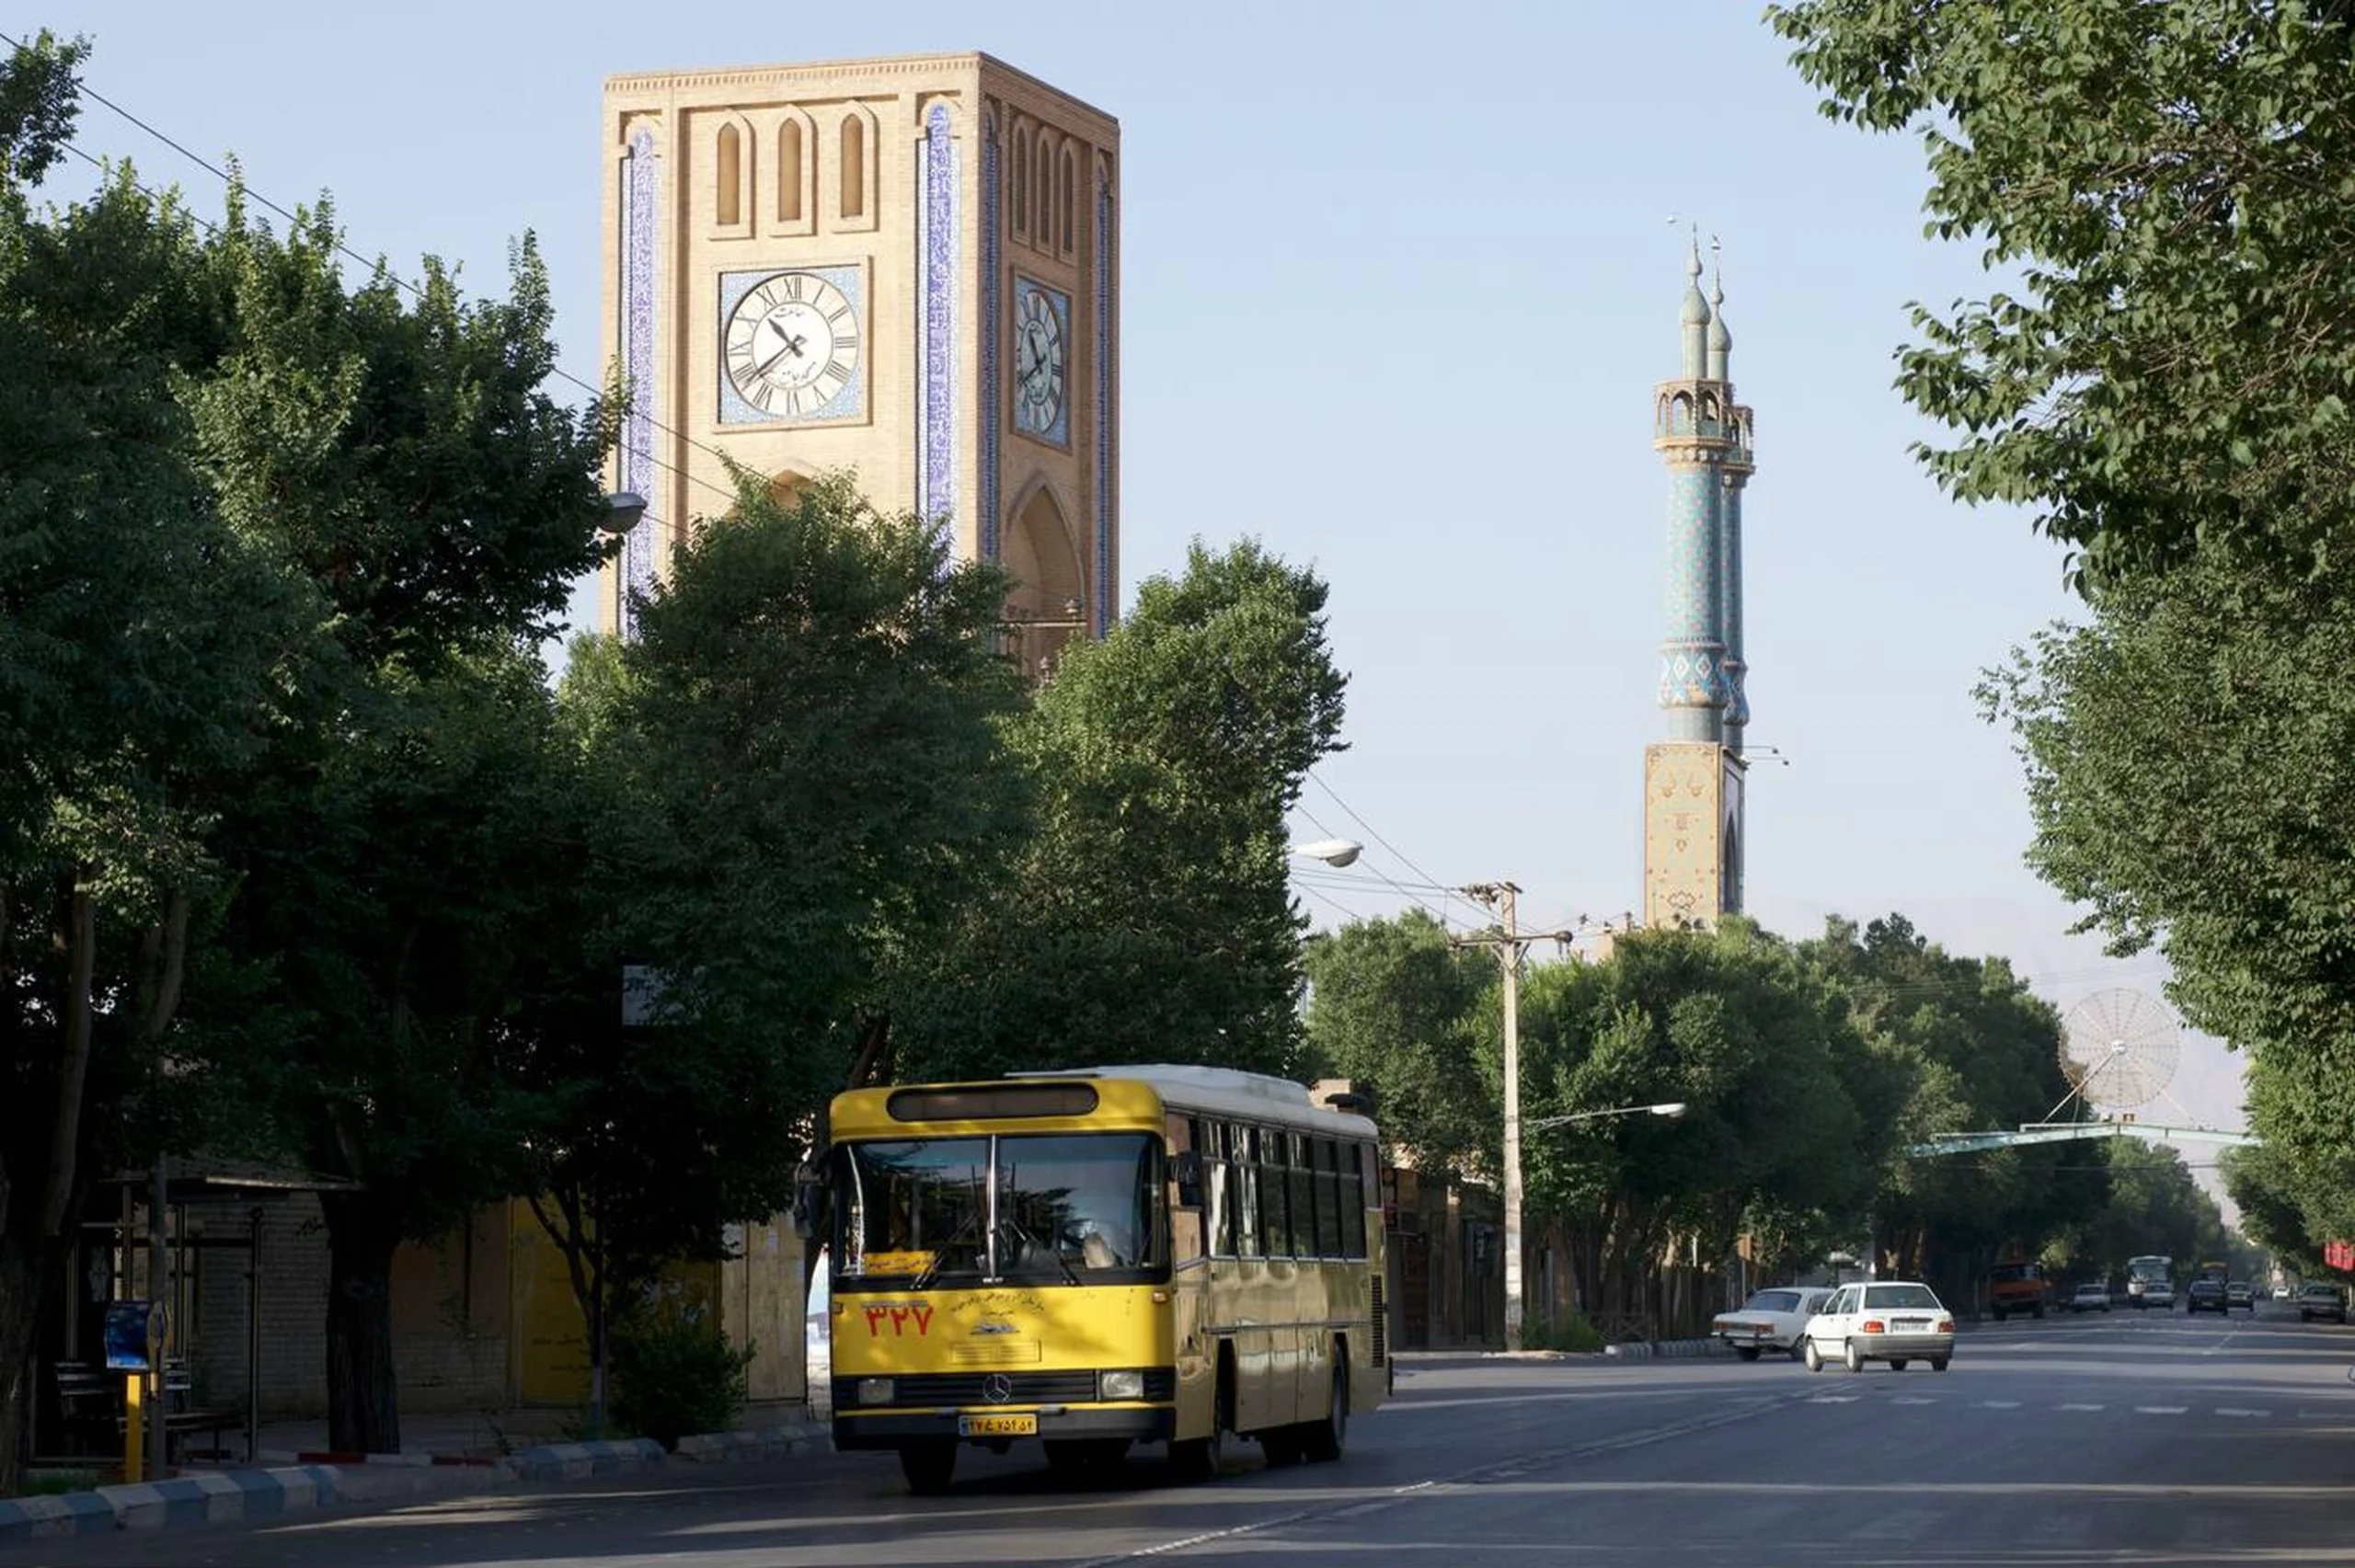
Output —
<point x="1509" y="941"/>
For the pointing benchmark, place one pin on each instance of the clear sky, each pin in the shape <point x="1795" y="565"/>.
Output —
<point x="1411" y="270"/>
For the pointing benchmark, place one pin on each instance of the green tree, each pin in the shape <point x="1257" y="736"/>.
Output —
<point x="1734" y="1024"/>
<point x="1148" y="916"/>
<point x="142" y="655"/>
<point x="2184" y="773"/>
<point x="1393" y="1005"/>
<point x="1981" y="1051"/>
<point x="793" y="776"/>
<point x="2166" y="385"/>
<point x="2170" y="369"/>
<point x="396" y="449"/>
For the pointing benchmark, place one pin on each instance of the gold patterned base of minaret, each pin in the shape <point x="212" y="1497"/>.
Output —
<point x="1693" y="800"/>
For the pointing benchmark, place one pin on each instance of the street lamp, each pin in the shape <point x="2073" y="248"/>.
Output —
<point x="1514" y="1128"/>
<point x="623" y="509"/>
<point x="1671" y="1108"/>
<point x="1332" y="851"/>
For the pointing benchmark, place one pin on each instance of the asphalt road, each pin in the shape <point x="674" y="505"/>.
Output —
<point x="2120" y="1439"/>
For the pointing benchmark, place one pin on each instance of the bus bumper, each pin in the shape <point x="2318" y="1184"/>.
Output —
<point x="890" y="1428"/>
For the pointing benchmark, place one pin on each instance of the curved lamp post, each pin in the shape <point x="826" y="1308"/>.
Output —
<point x="1515" y="1129"/>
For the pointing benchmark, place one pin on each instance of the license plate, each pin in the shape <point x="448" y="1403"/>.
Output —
<point x="998" y="1426"/>
<point x="1912" y="1323"/>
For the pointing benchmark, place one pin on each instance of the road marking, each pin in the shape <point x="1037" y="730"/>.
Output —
<point x="1999" y="1405"/>
<point x="2160" y="1408"/>
<point x="2085" y="1407"/>
<point x="2229" y="1410"/>
<point x="1833" y="1398"/>
<point x="1911" y="1399"/>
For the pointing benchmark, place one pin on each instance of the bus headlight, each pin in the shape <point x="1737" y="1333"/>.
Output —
<point x="1119" y="1385"/>
<point x="875" y="1390"/>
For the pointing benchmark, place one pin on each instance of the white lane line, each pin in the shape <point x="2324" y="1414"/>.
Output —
<point x="1911" y="1399"/>
<point x="2161" y="1409"/>
<point x="2085" y="1407"/>
<point x="2229" y="1410"/>
<point x="1999" y="1405"/>
<point x="1833" y="1398"/>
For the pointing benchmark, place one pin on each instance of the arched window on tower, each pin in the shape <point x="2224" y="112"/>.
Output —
<point x="1069" y="196"/>
<point x="854" y="170"/>
<point x="789" y="171"/>
<point x="729" y="208"/>
<point x="1043" y="182"/>
<point x="1022" y="187"/>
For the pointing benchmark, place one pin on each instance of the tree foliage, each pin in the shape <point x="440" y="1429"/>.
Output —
<point x="789" y="780"/>
<point x="1392" y="1007"/>
<point x="2167" y="185"/>
<point x="1147" y="916"/>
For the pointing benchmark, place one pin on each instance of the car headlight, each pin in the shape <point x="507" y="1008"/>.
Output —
<point x="1119" y="1385"/>
<point x="875" y="1390"/>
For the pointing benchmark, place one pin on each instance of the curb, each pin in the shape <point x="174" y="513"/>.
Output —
<point x="579" y="1461"/>
<point x="773" y="1443"/>
<point x="185" y="1500"/>
<point x="1668" y="1350"/>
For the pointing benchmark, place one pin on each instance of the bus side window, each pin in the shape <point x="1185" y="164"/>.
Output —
<point x="1267" y="1168"/>
<point x="1251" y="1234"/>
<point x="1351" y="1184"/>
<point x="1302" y="1150"/>
<point x="1187" y="1237"/>
<point x="1331" y="1200"/>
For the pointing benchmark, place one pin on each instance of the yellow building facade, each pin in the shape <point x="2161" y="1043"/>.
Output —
<point x="903" y="268"/>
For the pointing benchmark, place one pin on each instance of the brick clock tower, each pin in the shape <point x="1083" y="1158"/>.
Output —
<point x="903" y="268"/>
<point x="1693" y="827"/>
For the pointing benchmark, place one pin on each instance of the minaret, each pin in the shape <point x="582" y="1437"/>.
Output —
<point x="1694" y="828"/>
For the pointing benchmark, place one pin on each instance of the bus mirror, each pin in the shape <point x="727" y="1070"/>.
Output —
<point x="1186" y="1169"/>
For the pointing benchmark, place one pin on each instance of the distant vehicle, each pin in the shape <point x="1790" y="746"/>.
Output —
<point x="2150" y="1281"/>
<point x="2207" y="1294"/>
<point x="2238" y="1294"/>
<point x="2091" y="1297"/>
<point x="1891" y="1321"/>
<point x="2016" y="1285"/>
<point x="1771" y="1320"/>
<point x="2320" y="1299"/>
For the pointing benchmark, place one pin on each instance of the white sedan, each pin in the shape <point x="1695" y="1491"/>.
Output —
<point x="1894" y="1320"/>
<point x="1771" y="1320"/>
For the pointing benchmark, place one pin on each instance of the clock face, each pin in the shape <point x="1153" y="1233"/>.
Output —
<point x="792" y="343"/>
<point x="1038" y="382"/>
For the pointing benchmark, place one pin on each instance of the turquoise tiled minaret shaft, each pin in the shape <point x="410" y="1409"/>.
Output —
<point x="1704" y="436"/>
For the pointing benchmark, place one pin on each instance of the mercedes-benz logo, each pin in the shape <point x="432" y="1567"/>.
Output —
<point x="997" y="1388"/>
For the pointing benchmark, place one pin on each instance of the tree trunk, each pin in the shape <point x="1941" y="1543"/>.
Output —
<point x="21" y="1275"/>
<point x="364" y="1408"/>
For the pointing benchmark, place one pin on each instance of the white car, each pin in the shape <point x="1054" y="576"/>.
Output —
<point x="1894" y="1320"/>
<point x="2090" y="1298"/>
<point x="1771" y="1320"/>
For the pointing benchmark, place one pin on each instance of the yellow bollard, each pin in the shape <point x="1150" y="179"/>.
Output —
<point x="134" y="1433"/>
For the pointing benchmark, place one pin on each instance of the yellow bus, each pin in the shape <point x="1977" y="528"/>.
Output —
<point x="1099" y="1258"/>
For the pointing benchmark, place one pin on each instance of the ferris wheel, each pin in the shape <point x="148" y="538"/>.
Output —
<point x="2119" y="1049"/>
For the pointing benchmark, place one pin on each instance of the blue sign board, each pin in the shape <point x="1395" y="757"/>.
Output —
<point x="134" y="1331"/>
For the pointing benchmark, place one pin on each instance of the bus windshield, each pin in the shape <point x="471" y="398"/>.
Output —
<point x="1041" y="1208"/>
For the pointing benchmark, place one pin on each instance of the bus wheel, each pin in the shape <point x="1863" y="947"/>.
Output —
<point x="1325" y="1440"/>
<point x="928" y="1466"/>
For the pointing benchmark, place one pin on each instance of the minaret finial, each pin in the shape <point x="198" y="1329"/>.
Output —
<point x="1720" y="339"/>
<point x="1695" y="316"/>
